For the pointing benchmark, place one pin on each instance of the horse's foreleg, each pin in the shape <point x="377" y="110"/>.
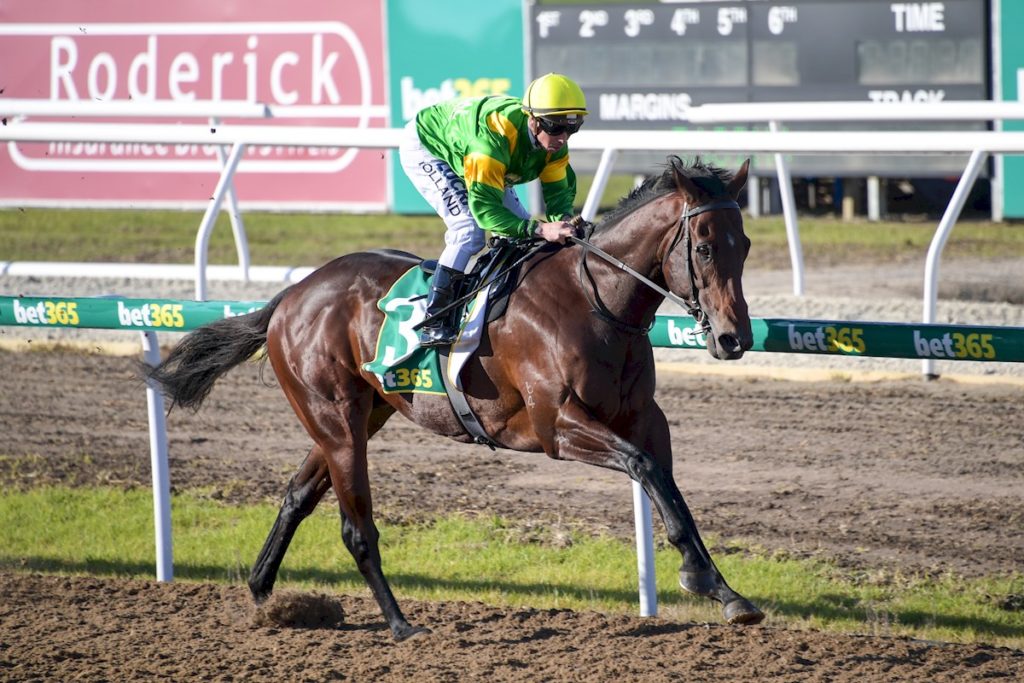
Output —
<point x="305" y="490"/>
<point x="581" y="437"/>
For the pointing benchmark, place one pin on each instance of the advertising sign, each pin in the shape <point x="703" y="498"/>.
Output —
<point x="325" y="53"/>
<point x="466" y="48"/>
<point x="1011" y="61"/>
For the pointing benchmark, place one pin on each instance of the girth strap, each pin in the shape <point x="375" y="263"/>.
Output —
<point x="460" y="405"/>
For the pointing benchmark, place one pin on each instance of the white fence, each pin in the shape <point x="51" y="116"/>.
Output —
<point x="238" y="137"/>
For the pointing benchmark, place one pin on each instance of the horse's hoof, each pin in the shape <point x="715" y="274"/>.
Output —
<point x="409" y="632"/>
<point x="741" y="611"/>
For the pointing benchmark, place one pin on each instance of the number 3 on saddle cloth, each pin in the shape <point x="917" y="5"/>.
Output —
<point x="400" y="364"/>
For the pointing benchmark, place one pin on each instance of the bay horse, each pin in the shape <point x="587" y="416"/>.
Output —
<point x="567" y="370"/>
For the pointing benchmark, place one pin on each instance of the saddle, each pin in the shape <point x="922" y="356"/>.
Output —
<point x="498" y="267"/>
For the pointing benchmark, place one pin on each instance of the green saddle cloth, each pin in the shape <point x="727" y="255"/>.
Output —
<point x="401" y="365"/>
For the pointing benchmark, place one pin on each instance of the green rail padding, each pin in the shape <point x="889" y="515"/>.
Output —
<point x="855" y="338"/>
<point x="778" y="335"/>
<point x="116" y="313"/>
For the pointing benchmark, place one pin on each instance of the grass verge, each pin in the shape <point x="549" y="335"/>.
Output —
<point x="313" y="239"/>
<point x="109" y="532"/>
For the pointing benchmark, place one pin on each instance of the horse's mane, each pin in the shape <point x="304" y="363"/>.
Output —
<point x="708" y="178"/>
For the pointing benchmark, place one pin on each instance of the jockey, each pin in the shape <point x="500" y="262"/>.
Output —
<point x="466" y="155"/>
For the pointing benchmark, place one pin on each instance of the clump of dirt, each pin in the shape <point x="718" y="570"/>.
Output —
<point x="300" y="610"/>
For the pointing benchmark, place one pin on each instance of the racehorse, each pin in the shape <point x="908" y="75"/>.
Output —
<point x="567" y="370"/>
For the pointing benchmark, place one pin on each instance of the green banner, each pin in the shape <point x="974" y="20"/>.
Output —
<point x="465" y="48"/>
<point x="846" y="338"/>
<point x="777" y="335"/>
<point x="115" y="313"/>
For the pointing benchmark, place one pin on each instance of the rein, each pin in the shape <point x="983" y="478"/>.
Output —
<point x="691" y="306"/>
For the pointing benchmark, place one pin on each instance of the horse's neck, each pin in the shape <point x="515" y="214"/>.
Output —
<point x="636" y="240"/>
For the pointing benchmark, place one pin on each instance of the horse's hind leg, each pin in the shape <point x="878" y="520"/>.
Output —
<point x="305" y="490"/>
<point x="341" y="427"/>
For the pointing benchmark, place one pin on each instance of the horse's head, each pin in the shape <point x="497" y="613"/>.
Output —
<point x="703" y="261"/>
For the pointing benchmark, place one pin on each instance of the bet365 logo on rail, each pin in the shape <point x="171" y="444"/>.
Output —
<point x="955" y="345"/>
<point x="150" y="315"/>
<point x="828" y="339"/>
<point x="688" y="337"/>
<point x="46" y="313"/>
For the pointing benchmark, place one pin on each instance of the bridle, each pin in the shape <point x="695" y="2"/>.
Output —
<point x="692" y="305"/>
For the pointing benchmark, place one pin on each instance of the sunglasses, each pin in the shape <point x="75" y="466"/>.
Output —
<point x="558" y="127"/>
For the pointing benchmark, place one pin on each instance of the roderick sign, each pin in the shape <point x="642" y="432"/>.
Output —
<point x="306" y="52"/>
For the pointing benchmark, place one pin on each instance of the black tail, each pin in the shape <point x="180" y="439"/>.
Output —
<point x="201" y="357"/>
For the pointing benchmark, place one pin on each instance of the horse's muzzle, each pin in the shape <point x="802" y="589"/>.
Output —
<point x="729" y="345"/>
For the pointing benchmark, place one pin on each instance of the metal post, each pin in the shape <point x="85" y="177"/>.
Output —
<point x="874" y="198"/>
<point x="237" y="226"/>
<point x="159" y="465"/>
<point x="931" y="264"/>
<point x="645" y="552"/>
<point x="206" y="226"/>
<point x="601" y="175"/>
<point x="754" y="196"/>
<point x="796" y="255"/>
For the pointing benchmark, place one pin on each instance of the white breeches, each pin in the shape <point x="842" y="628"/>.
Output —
<point x="445" y="191"/>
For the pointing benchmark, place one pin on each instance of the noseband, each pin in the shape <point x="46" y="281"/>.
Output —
<point x="692" y="306"/>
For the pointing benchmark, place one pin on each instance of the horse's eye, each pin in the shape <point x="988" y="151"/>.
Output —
<point x="704" y="250"/>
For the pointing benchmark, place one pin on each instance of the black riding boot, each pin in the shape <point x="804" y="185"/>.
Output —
<point x="445" y="287"/>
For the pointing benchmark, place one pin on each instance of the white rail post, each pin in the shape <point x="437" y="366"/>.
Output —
<point x="158" y="464"/>
<point x="754" y="196"/>
<point x="601" y="175"/>
<point x="645" y="552"/>
<point x="874" y="198"/>
<point x="796" y="255"/>
<point x="931" y="264"/>
<point x="237" y="226"/>
<point x="206" y="225"/>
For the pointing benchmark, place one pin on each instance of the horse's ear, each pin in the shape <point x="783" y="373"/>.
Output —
<point x="739" y="180"/>
<point x="686" y="187"/>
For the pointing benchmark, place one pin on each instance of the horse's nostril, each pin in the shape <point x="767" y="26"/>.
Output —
<point x="729" y="343"/>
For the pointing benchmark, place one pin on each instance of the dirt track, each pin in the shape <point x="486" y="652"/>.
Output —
<point x="887" y="477"/>
<point x="96" y="629"/>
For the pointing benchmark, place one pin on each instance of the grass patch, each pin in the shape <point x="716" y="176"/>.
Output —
<point x="139" y="236"/>
<point x="109" y="532"/>
<point x="309" y="239"/>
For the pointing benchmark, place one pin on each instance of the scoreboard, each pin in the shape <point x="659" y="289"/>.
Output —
<point x="641" y="65"/>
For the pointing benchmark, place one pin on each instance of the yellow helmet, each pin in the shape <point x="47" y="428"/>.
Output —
<point x="554" y="95"/>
